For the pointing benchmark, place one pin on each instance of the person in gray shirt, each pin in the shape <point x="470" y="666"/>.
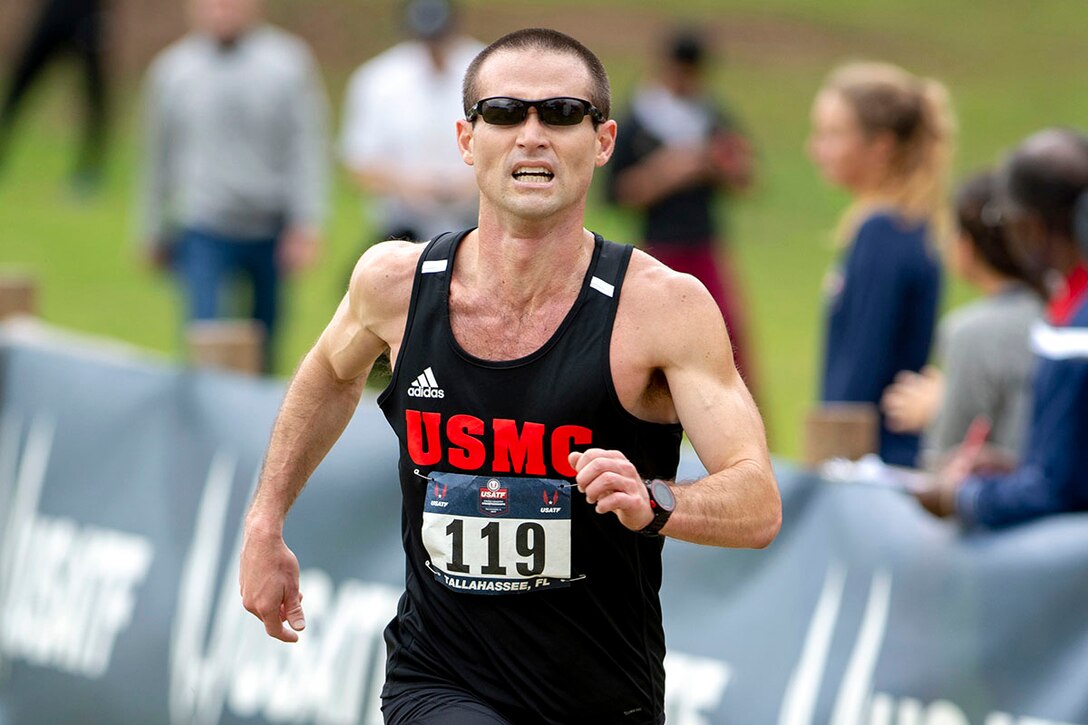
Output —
<point x="983" y="347"/>
<point x="236" y="158"/>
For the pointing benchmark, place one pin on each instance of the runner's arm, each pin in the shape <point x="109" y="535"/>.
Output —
<point x="737" y="504"/>
<point x="320" y="401"/>
<point x="680" y="333"/>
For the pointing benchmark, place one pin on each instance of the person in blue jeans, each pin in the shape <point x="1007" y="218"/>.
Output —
<point x="206" y="264"/>
<point x="235" y="160"/>
<point x="885" y="136"/>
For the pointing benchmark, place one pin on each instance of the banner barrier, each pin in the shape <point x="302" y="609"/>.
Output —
<point x="123" y="482"/>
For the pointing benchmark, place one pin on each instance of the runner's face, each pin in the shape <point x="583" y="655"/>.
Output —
<point x="565" y="155"/>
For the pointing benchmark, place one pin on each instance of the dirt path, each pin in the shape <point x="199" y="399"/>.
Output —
<point x="343" y="33"/>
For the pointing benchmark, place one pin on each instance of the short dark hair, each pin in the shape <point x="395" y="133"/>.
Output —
<point x="1047" y="174"/>
<point x="600" y="94"/>
<point x="687" y="47"/>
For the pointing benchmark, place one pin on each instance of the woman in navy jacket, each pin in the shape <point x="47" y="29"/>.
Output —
<point x="886" y="137"/>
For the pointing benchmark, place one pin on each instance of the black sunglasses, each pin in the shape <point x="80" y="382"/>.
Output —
<point x="504" y="111"/>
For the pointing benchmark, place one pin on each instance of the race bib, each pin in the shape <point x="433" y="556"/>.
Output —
<point x="497" y="535"/>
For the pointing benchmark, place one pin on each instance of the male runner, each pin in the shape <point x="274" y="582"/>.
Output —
<point x="540" y="376"/>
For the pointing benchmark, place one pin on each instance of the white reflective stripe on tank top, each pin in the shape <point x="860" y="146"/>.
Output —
<point x="603" y="287"/>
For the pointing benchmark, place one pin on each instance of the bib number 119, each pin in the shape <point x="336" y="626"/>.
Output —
<point x="529" y="545"/>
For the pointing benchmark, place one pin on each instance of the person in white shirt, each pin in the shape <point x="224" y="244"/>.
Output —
<point x="397" y="138"/>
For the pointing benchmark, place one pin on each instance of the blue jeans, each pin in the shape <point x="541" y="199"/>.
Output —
<point x="208" y="265"/>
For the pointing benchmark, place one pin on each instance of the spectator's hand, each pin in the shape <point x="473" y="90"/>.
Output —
<point x="731" y="154"/>
<point x="298" y="249"/>
<point x="611" y="482"/>
<point x="156" y="254"/>
<point x="663" y="172"/>
<point x="994" y="461"/>
<point x="268" y="579"/>
<point x="912" y="401"/>
<point x="971" y="457"/>
<point x="675" y="167"/>
<point x="939" y="498"/>
<point x="684" y="166"/>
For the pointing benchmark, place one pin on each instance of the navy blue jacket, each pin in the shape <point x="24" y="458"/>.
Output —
<point x="1053" y="474"/>
<point x="882" y="310"/>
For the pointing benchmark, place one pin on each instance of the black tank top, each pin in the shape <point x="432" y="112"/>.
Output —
<point x="516" y="589"/>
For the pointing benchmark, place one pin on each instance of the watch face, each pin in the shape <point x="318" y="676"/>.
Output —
<point x="663" y="495"/>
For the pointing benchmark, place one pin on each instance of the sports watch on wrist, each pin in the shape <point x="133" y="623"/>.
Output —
<point x="662" y="503"/>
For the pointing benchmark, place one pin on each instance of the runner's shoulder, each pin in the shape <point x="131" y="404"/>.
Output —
<point x="384" y="274"/>
<point x="657" y="293"/>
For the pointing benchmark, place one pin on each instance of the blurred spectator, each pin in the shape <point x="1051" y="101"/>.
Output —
<point x="72" y="26"/>
<point x="678" y="150"/>
<point x="886" y="137"/>
<point x="399" y="137"/>
<point x="236" y="158"/>
<point x="983" y="347"/>
<point x="1044" y="202"/>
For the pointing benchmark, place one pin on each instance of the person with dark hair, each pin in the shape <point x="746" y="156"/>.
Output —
<point x="542" y="380"/>
<point x="983" y="346"/>
<point x="406" y="163"/>
<point x="680" y="151"/>
<point x="74" y="26"/>
<point x="1043" y="189"/>
<point x="235" y="160"/>
<point x="886" y="137"/>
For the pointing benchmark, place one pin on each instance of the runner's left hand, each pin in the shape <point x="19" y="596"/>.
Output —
<point x="611" y="482"/>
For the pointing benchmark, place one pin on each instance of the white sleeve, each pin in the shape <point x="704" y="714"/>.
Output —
<point x="362" y="129"/>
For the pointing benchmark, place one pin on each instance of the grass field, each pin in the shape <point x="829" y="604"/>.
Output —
<point x="1012" y="67"/>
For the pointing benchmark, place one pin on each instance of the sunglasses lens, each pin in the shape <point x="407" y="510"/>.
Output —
<point x="562" y="111"/>
<point x="503" y="111"/>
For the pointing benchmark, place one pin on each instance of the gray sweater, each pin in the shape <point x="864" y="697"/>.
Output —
<point x="236" y="138"/>
<point x="986" y="356"/>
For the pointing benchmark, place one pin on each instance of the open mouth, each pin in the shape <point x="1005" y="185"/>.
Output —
<point x="533" y="173"/>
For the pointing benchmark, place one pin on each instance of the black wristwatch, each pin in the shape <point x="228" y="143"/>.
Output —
<point x="662" y="502"/>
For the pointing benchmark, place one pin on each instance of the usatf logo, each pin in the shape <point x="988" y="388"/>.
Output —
<point x="550" y="503"/>
<point x="494" y="500"/>
<point x="425" y="386"/>
<point x="438" y="501"/>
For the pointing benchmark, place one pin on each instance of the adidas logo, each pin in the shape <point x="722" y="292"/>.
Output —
<point x="425" y="386"/>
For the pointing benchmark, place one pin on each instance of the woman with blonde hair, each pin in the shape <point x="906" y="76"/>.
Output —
<point x="886" y="137"/>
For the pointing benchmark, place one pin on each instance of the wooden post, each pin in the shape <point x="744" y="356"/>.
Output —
<point x="236" y="345"/>
<point x="18" y="294"/>
<point x="840" y="430"/>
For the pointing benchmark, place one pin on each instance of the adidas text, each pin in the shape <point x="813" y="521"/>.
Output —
<point x="417" y="392"/>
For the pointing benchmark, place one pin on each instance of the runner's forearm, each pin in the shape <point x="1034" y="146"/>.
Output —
<point x="738" y="508"/>
<point x="314" y="413"/>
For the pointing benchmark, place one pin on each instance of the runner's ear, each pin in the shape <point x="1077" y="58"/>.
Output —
<point x="464" y="140"/>
<point x="606" y="141"/>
